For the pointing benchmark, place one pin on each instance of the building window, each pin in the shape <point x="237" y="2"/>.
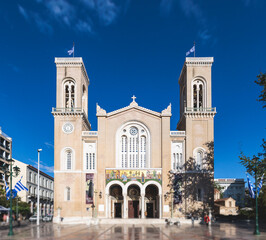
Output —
<point x="90" y="156"/>
<point x="30" y="191"/>
<point x="35" y="178"/>
<point x="69" y="92"/>
<point x="199" y="159"/>
<point x="198" y="95"/>
<point x="67" y="193"/>
<point x="133" y="145"/>
<point x="199" y="195"/>
<point x="46" y="184"/>
<point x="68" y="158"/>
<point x="177" y="156"/>
<point x="30" y="176"/>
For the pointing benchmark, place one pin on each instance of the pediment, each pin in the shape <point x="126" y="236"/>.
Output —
<point x="133" y="105"/>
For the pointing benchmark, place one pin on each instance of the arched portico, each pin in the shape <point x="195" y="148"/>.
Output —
<point x="135" y="199"/>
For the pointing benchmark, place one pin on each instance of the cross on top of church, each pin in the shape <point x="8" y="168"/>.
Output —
<point x="133" y="98"/>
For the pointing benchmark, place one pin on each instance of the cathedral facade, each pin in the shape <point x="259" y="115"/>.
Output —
<point x="133" y="166"/>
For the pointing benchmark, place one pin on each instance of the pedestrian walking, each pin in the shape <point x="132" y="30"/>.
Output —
<point x="192" y="220"/>
<point x="19" y="220"/>
<point x="206" y="220"/>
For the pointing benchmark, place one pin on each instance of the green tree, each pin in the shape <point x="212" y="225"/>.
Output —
<point x="261" y="81"/>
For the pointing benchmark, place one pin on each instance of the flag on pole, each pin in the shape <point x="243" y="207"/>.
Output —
<point x="7" y="189"/>
<point x="250" y="188"/>
<point x="191" y="50"/>
<point x="260" y="185"/>
<point x="71" y="51"/>
<point x="19" y="186"/>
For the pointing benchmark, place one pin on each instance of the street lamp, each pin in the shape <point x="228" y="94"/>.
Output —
<point x="38" y="189"/>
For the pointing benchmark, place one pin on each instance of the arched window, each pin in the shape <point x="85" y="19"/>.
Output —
<point x="68" y="159"/>
<point x="199" y="159"/>
<point x="133" y="146"/>
<point x="199" y="100"/>
<point x="199" y="154"/>
<point x="89" y="156"/>
<point x="177" y="160"/>
<point x="69" y="94"/>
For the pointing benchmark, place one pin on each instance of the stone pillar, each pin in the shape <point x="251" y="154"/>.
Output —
<point x="160" y="206"/>
<point x="31" y="207"/>
<point x="107" y="205"/>
<point x="125" y="206"/>
<point x="142" y="206"/>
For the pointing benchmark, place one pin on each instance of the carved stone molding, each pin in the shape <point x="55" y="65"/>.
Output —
<point x="100" y="111"/>
<point x="167" y="111"/>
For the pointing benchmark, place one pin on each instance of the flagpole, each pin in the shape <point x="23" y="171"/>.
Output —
<point x="10" y="233"/>
<point x="73" y="48"/>
<point x="194" y="49"/>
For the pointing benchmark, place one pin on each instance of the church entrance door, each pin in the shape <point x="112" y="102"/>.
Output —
<point x="118" y="210"/>
<point x="133" y="209"/>
<point x="150" y="210"/>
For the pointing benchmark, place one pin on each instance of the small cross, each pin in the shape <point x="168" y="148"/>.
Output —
<point x="133" y="98"/>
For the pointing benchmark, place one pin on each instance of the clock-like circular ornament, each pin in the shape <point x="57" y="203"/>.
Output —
<point x="133" y="131"/>
<point x="68" y="127"/>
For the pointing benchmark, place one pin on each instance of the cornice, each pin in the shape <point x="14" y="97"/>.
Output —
<point x="70" y="61"/>
<point x="133" y="107"/>
<point x="74" y="114"/>
<point x="200" y="114"/>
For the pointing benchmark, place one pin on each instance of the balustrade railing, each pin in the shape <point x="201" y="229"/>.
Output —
<point x="89" y="133"/>
<point x="67" y="110"/>
<point x="190" y="109"/>
<point x="177" y="133"/>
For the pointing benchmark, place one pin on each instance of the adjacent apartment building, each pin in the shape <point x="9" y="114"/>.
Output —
<point x="29" y="176"/>
<point x="5" y="153"/>
<point x="232" y="187"/>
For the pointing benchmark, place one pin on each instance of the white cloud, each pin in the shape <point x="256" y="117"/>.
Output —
<point x="80" y="15"/>
<point x="83" y="26"/>
<point x="23" y="12"/>
<point x="49" y="145"/>
<point x="49" y="169"/>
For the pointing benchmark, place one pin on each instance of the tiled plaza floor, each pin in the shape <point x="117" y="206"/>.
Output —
<point x="51" y="231"/>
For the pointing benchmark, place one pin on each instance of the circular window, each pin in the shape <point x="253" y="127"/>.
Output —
<point x="133" y="131"/>
<point x="68" y="128"/>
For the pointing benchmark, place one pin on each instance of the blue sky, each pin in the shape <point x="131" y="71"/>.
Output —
<point x="132" y="47"/>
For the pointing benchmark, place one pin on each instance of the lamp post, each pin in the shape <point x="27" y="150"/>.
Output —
<point x="10" y="233"/>
<point x="38" y="189"/>
<point x="172" y="202"/>
<point x="256" y="232"/>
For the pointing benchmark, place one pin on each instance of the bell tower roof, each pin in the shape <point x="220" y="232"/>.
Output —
<point x="72" y="62"/>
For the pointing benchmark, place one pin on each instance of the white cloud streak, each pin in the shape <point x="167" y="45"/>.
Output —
<point x="80" y="15"/>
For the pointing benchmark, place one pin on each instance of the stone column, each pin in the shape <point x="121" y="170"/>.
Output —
<point x="142" y="206"/>
<point x="160" y="206"/>
<point x="125" y="206"/>
<point x="107" y="205"/>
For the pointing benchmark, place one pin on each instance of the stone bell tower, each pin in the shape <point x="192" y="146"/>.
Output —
<point x="70" y="119"/>
<point x="197" y="119"/>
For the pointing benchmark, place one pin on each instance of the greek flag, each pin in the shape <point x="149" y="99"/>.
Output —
<point x="71" y="51"/>
<point x="7" y="189"/>
<point x="191" y="50"/>
<point x="250" y="188"/>
<point x="260" y="185"/>
<point x="19" y="186"/>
